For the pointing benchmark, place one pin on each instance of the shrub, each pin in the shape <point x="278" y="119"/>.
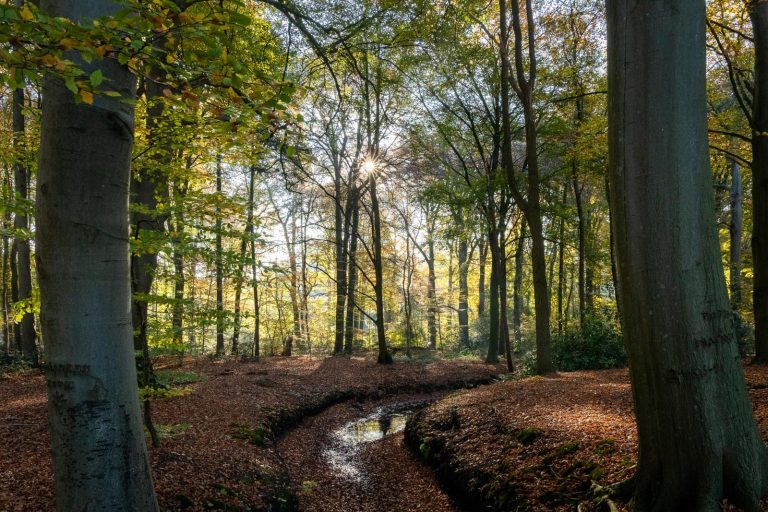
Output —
<point x="595" y="346"/>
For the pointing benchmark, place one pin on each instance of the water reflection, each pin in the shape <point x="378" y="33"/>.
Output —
<point x="343" y="455"/>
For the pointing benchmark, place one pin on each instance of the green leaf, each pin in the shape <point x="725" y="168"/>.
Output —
<point x="239" y="19"/>
<point x="71" y="85"/>
<point x="96" y="78"/>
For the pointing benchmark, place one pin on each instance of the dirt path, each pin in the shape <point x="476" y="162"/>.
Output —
<point x="330" y="472"/>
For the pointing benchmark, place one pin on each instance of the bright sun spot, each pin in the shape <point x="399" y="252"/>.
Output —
<point x="369" y="166"/>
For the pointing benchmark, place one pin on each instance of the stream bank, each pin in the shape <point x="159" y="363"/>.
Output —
<point x="351" y="457"/>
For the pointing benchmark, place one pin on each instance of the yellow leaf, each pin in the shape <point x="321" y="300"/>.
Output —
<point x="87" y="96"/>
<point x="170" y="58"/>
<point x="26" y="14"/>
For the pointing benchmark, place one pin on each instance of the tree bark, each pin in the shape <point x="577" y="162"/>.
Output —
<point x="481" y="282"/>
<point x="463" y="257"/>
<point x="99" y="456"/>
<point x="240" y="276"/>
<point x="431" y="284"/>
<point x="758" y="10"/>
<point x="378" y="264"/>
<point x="517" y="286"/>
<point x="698" y="440"/>
<point x="493" y="308"/>
<point x="530" y="205"/>
<point x="21" y="224"/>
<point x="349" y="327"/>
<point x="219" y="265"/>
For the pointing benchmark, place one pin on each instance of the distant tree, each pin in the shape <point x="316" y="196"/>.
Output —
<point x="699" y="442"/>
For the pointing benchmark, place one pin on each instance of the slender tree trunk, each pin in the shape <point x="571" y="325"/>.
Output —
<point x="21" y="223"/>
<point x="349" y="327"/>
<point x="582" y="232"/>
<point x="177" y="315"/>
<point x="698" y="440"/>
<point x="15" y="296"/>
<point x="481" y="291"/>
<point x="493" y="309"/>
<point x="431" y="286"/>
<point x="219" y="264"/>
<point x="735" y="229"/>
<point x="517" y="295"/>
<point x="758" y="10"/>
<point x="255" y="353"/>
<point x="530" y="205"/>
<point x="5" y="301"/>
<point x="378" y="265"/>
<point x="99" y="456"/>
<point x="561" y="268"/>
<point x="240" y="276"/>
<point x="463" y="256"/>
<point x="341" y="260"/>
<point x="506" y="347"/>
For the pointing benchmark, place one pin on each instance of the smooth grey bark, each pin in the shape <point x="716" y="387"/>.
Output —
<point x="21" y="224"/>
<point x="99" y="456"/>
<point x="561" y="268"/>
<point x="758" y="11"/>
<point x="698" y="440"/>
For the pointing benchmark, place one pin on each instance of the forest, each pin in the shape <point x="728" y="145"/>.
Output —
<point x="372" y="255"/>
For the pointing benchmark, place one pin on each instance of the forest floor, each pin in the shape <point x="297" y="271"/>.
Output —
<point x="219" y="432"/>
<point x="543" y="443"/>
<point x="257" y="436"/>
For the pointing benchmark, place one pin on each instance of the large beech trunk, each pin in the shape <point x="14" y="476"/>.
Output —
<point x="759" y="14"/>
<point x="698" y="440"/>
<point x="99" y="455"/>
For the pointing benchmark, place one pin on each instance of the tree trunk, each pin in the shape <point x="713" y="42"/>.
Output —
<point x="99" y="456"/>
<point x="349" y="327"/>
<point x="493" y="309"/>
<point x="219" y="264"/>
<point x="530" y="205"/>
<point x="517" y="286"/>
<point x="21" y="223"/>
<point x="698" y="440"/>
<point x="481" y="282"/>
<point x="255" y="351"/>
<point x="735" y="230"/>
<point x="378" y="265"/>
<point x="177" y="241"/>
<point x="341" y="260"/>
<point x="758" y="10"/>
<point x="431" y="286"/>
<point x="240" y="275"/>
<point x="463" y="293"/>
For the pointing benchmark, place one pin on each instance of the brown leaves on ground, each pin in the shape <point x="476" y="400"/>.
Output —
<point x="540" y="443"/>
<point x="220" y="452"/>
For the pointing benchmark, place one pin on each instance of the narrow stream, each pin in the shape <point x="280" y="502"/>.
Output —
<point x="346" y="442"/>
<point x="351" y="458"/>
